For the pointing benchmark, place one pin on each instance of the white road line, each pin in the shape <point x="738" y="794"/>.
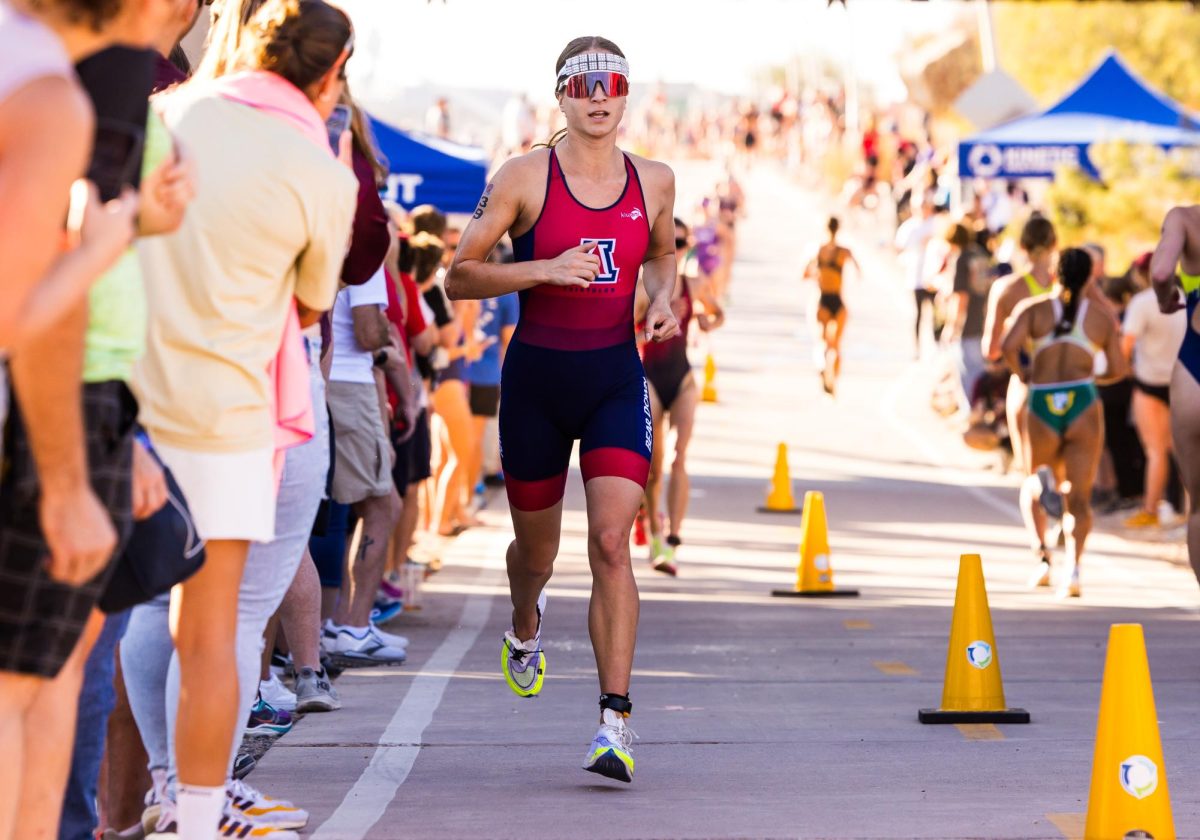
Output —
<point x="400" y="743"/>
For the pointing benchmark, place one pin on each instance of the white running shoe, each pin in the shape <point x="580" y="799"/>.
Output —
<point x="1041" y="578"/>
<point x="260" y="809"/>
<point x="609" y="753"/>
<point x="1069" y="587"/>
<point x="277" y="694"/>
<point x="349" y="647"/>
<point x="392" y="639"/>
<point x="524" y="662"/>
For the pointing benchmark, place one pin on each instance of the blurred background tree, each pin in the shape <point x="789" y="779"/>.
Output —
<point x="1124" y="210"/>
<point x="1049" y="45"/>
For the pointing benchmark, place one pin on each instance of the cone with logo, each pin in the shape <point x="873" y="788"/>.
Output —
<point x="709" y="392"/>
<point x="779" y="497"/>
<point x="973" y="691"/>
<point x="1129" y="795"/>
<point x="814" y="575"/>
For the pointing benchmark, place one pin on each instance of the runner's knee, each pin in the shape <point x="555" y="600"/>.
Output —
<point x="610" y="546"/>
<point x="533" y="558"/>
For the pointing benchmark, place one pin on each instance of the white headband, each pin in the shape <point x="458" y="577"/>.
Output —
<point x="589" y="62"/>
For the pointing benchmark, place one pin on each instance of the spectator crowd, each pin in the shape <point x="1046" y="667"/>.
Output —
<point x="244" y="406"/>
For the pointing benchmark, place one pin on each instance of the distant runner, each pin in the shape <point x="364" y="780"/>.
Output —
<point x="828" y="269"/>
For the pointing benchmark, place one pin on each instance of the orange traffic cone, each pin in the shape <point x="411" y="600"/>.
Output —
<point x="973" y="691"/>
<point x="709" y="392"/>
<point x="814" y="576"/>
<point x="780" y="498"/>
<point x="1129" y="795"/>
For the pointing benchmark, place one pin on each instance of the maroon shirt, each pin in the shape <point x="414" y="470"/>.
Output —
<point x="370" y="241"/>
<point x="166" y="74"/>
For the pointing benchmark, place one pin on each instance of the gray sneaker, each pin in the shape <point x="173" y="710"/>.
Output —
<point x="315" y="692"/>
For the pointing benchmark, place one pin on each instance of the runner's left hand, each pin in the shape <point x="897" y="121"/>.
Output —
<point x="661" y="323"/>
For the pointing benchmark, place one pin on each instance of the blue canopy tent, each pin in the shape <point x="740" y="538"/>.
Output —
<point x="428" y="170"/>
<point x="1111" y="104"/>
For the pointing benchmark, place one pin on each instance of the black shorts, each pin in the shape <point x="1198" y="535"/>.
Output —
<point x="485" y="400"/>
<point x="414" y="456"/>
<point x="41" y="619"/>
<point x="1162" y="393"/>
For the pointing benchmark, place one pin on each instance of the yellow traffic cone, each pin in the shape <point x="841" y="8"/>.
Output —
<point x="709" y="392"/>
<point x="1129" y="778"/>
<point x="973" y="691"/>
<point x="780" y="498"/>
<point x="814" y="575"/>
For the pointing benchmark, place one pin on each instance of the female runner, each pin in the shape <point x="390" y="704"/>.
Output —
<point x="827" y="268"/>
<point x="584" y="218"/>
<point x="1063" y="334"/>
<point x="1038" y="242"/>
<point x="1180" y="248"/>
<point x="673" y="391"/>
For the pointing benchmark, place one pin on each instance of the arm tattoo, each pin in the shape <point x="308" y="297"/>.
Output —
<point x="483" y="201"/>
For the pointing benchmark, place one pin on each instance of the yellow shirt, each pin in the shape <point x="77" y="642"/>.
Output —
<point x="271" y="220"/>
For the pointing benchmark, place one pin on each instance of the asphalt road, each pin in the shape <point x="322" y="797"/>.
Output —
<point x="762" y="717"/>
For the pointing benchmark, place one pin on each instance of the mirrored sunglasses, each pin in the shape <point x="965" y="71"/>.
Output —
<point x="581" y="85"/>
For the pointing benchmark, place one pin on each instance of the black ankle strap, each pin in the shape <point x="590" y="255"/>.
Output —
<point x="674" y="541"/>
<point x="619" y="703"/>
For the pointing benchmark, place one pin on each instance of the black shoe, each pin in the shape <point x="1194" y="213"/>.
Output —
<point x="244" y="765"/>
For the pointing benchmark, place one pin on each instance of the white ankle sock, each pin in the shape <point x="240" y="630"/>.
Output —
<point x="199" y="811"/>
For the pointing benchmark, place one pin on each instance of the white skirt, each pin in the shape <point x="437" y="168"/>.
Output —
<point x="231" y="494"/>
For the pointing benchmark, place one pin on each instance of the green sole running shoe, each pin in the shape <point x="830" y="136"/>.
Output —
<point x="524" y="663"/>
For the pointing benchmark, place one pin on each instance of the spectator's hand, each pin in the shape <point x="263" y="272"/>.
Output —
<point x="165" y="195"/>
<point x="149" y="484"/>
<point x="476" y="349"/>
<point x="661" y="323"/>
<point x="79" y="533"/>
<point x="107" y="229"/>
<point x="576" y="266"/>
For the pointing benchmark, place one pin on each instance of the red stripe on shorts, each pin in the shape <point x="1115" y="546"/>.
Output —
<point x="535" y="495"/>
<point x="614" y="461"/>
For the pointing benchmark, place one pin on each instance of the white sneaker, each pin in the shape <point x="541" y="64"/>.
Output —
<point x="350" y="647"/>
<point x="1069" y="586"/>
<point x="392" y="639"/>
<point x="523" y="661"/>
<point x="277" y="694"/>
<point x="160" y="807"/>
<point x="1041" y="577"/>
<point x="253" y="805"/>
<point x="609" y="753"/>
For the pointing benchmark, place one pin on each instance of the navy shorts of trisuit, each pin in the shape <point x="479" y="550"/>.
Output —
<point x="572" y="371"/>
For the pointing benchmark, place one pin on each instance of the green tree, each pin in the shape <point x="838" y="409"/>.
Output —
<point x="1049" y="45"/>
<point x="1124" y="210"/>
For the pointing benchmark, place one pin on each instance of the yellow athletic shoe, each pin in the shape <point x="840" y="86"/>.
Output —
<point x="523" y="662"/>
<point x="1142" y="519"/>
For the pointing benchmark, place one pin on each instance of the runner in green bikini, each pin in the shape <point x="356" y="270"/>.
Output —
<point x="1062" y="335"/>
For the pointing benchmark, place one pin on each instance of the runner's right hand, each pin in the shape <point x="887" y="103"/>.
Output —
<point x="79" y="533"/>
<point x="574" y="267"/>
<point x="1174" y="299"/>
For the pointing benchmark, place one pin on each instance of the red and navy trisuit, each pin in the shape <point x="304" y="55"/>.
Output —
<point x="572" y="370"/>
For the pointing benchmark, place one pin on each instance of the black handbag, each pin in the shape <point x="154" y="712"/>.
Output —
<point x="163" y="550"/>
